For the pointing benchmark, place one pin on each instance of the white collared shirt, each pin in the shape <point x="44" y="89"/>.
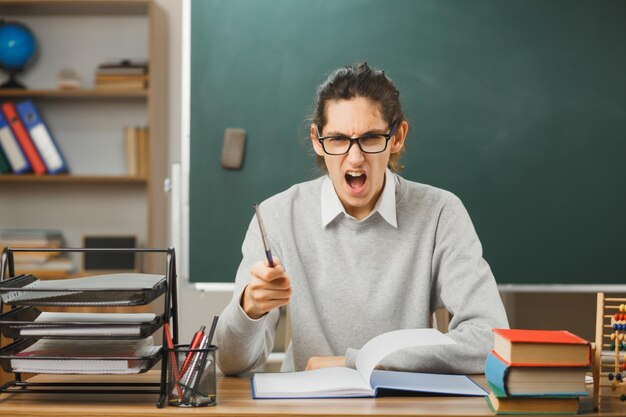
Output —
<point x="386" y="204"/>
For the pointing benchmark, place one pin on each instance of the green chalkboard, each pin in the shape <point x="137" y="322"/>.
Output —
<point x="518" y="107"/>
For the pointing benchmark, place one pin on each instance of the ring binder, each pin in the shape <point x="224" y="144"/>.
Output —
<point x="40" y="336"/>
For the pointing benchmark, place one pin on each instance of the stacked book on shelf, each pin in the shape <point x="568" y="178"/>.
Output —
<point x="26" y="144"/>
<point x="122" y="75"/>
<point x="44" y="264"/>
<point x="136" y="150"/>
<point x="537" y="371"/>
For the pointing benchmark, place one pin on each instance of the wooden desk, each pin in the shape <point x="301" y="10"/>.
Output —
<point x="234" y="399"/>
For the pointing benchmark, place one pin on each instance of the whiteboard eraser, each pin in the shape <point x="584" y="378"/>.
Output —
<point x="233" y="148"/>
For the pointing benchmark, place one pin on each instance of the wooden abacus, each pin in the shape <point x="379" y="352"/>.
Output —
<point x="610" y="337"/>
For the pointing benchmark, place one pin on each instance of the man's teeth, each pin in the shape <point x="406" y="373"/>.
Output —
<point x="354" y="174"/>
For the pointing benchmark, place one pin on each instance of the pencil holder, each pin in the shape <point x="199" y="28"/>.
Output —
<point x="191" y="376"/>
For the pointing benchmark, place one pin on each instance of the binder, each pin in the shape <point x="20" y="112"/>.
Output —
<point x="4" y="162"/>
<point x="43" y="140"/>
<point x="8" y="142"/>
<point x="23" y="138"/>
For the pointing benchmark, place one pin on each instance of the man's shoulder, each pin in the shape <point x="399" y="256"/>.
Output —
<point x="302" y="193"/>
<point x="412" y="192"/>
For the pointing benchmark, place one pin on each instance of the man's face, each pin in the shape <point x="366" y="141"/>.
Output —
<point x="357" y="177"/>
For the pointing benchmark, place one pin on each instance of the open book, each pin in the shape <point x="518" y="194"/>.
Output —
<point x="364" y="381"/>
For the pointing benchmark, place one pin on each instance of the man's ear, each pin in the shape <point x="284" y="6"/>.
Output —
<point x="317" y="146"/>
<point x="397" y="141"/>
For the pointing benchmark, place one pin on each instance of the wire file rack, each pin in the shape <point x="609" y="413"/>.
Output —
<point x="24" y="294"/>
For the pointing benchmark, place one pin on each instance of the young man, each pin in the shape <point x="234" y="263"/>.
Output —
<point x="361" y="251"/>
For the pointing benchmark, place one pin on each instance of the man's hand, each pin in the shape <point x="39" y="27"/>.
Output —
<point x="268" y="288"/>
<point x="317" y="362"/>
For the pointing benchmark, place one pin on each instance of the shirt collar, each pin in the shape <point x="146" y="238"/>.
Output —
<point x="386" y="204"/>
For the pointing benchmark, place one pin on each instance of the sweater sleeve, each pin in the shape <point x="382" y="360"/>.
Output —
<point x="245" y="343"/>
<point x="463" y="283"/>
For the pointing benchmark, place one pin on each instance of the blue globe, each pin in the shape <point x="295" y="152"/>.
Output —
<point x="17" y="46"/>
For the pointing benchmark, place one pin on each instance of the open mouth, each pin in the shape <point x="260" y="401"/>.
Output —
<point x="355" y="179"/>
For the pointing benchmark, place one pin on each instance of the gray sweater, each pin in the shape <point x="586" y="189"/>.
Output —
<point x="353" y="280"/>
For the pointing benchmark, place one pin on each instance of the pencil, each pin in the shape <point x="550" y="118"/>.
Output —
<point x="268" y="251"/>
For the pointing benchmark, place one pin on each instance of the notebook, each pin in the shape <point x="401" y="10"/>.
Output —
<point x="364" y="381"/>
<point x="84" y="357"/>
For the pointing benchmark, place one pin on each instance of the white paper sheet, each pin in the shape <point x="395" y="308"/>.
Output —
<point x="385" y="344"/>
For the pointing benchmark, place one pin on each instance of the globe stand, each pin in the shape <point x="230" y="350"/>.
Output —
<point x="12" y="82"/>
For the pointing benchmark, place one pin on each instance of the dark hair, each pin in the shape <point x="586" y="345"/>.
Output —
<point x="360" y="80"/>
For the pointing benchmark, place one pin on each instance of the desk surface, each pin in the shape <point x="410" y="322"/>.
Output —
<point x="234" y="399"/>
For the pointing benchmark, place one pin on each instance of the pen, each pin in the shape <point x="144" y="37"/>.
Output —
<point x="268" y="251"/>
<point x="170" y="345"/>
<point x="195" y="342"/>
<point x="189" y="378"/>
<point x="212" y="331"/>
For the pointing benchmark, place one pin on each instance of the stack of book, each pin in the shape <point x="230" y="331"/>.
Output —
<point x="42" y="264"/>
<point x="136" y="150"/>
<point x="125" y="74"/>
<point x="537" y="371"/>
<point x="26" y="144"/>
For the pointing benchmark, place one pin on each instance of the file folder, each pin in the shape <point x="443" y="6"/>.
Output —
<point x="13" y="152"/>
<point x="23" y="138"/>
<point x="43" y="140"/>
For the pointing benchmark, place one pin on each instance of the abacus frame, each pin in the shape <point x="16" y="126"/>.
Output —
<point x="605" y="318"/>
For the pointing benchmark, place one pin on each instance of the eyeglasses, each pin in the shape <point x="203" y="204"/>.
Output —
<point x="368" y="143"/>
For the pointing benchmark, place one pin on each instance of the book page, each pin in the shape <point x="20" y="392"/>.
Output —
<point x="63" y="317"/>
<point x="76" y="319"/>
<point x="385" y="344"/>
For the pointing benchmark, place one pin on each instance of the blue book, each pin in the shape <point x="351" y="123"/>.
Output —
<point x="537" y="381"/>
<point x="11" y="148"/>
<point x="340" y="382"/>
<point x="365" y="381"/>
<point x="40" y="134"/>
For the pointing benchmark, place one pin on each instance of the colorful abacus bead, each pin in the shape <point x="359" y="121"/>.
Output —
<point x="618" y="376"/>
<point x="611" y="376"/>
<point x="612" y="346"/>
<point x="622" y="308"/>
<point x="622" y="397"/>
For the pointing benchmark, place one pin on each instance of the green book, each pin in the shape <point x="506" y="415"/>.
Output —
<point x="532" y="405"/>
<point x="4" y="163"/>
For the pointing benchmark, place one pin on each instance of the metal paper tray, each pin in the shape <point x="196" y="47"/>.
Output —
<point x="20" y="322"/>
<point x="92" y="365"/>
<point x="16" y="290"/>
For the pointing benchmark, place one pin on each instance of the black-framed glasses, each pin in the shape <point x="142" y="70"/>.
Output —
<point x="368" y="143"/>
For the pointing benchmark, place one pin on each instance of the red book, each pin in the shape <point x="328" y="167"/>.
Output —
<point x="27" y="145"/>
<point x="541" y="348"/>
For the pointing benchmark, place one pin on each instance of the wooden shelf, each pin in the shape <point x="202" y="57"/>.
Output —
<point x="72" y="179"/>
<point x="81" y="93"/>
<point x="77" y="7"/>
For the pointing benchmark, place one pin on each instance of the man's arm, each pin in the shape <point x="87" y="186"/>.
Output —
<point x="464" y="284"/>
<point x="244" y="342"/>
